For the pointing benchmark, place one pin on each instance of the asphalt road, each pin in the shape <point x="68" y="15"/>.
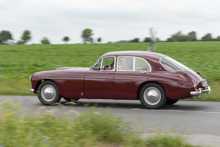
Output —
<point x="185" y="117"/>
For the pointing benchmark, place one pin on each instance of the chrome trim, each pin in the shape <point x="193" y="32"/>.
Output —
<point x="169" y="63"/>
<point x="152" y="96"/>
<point x="187" y="68"/>
<point x="201" y="91"/>
<point x="31" y="90"/>
<point x="95" y="63"/>
<point x="114" y="63"/>
<point x="48" y="93"/>
<point x="146" y="62"/>
<point x="101" y="60"/>
<point x="64" y="78"/>
<point x="95" y="79"/>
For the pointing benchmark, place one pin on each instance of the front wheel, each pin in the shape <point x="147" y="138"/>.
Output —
<point x="152" y="95"/>
<point x="48" y="93"/>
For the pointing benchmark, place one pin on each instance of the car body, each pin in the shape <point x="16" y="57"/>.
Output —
<point x="154" y="79"/>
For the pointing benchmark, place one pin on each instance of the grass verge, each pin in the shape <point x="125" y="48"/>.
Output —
<point x="87" y="129"/>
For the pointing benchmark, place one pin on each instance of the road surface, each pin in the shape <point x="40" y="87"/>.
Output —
<point x="188" y="117"/>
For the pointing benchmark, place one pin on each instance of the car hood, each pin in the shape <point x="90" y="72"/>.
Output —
<point x="61" y="73"/>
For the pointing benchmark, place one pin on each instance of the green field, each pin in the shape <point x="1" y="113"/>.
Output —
<point x="18" y="62"/>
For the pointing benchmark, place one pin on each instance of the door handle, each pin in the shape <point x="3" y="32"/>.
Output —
<point x="143" y="72"/>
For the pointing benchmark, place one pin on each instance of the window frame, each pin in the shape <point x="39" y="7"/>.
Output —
<point x="101" y="60"/>
<point x="172" y="65"/>
<point x="146" y="62"/>
<point x="133" y="63"/>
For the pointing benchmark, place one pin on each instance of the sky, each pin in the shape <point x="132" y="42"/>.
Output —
<point x="112" y="20"/>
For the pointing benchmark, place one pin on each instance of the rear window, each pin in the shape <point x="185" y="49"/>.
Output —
<point x="172" y="65"/>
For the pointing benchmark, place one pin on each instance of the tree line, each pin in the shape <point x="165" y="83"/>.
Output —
<point x="191" y="36"/>
<point x="178" y="37"/>
<point x="6" y="37"/>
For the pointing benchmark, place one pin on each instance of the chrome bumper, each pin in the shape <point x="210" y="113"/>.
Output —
<point x="31" y="90"/>
<point x="201" y="91"/>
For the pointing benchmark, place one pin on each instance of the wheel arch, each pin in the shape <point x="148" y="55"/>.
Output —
<point x="41" y="81"/>
<point x="147" y="82"/>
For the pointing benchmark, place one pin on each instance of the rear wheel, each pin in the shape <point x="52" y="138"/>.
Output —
<point x="171" y="101"/>
<point x="152" y="95"/>
<point x="48" y="93"/>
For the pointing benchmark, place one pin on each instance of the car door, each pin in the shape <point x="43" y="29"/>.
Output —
<point x="130" y="74"/>
<point x="99" y="81"/>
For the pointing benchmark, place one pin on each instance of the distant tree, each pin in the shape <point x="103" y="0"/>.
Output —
<point x="5" y="36"/>
<point x="147" y="39"/>
<point x="180" y="37"/>
<point x="192" y="36"/>
<point x="26" y="36"/>
<point x="66" y="39"/>
<point x="170" y="40"/>
<point x="207" y="37"/>
<point x="45" y="41"/>
<point x="99" y="39"/>
<point x="20" y="42"/>
<point x="218" y="38"/>
<point x="135" y="40"/>
<point x="87" y="35"/>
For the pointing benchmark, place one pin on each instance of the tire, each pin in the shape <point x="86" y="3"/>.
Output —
<point x="171" y="101"/>
<point x="68" y="100"/>
<point x="48" y="93"/>
<point x="152" y="96"/>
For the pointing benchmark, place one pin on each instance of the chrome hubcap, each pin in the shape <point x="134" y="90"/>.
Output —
<point x="48" y="93"/>
<point x="152" y="95"/>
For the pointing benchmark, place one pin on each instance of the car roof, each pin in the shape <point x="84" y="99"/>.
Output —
<point x="143" y="54"/>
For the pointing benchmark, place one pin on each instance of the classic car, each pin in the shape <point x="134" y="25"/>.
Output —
<point x="154" y="79"/>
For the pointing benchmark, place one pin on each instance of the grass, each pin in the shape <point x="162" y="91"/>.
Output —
<point x="18" y="62"/>
<point x="87" y="129"/>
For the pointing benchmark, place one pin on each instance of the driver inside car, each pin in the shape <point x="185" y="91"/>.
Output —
<point x="111" y="66"/>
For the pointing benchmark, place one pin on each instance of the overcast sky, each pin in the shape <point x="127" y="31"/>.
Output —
<point x="112" y="20"/>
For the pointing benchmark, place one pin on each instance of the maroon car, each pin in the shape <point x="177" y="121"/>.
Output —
<point x="152" y="78"/>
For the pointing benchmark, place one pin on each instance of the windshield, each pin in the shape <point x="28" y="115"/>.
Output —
<point x="172" y="65"/>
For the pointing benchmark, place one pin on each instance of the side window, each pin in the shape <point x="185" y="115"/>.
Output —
<point x="108" y="63"/>
<point x="98" y="65"/>
<point x="141" y="65"/>
<point x="125" y="63"/>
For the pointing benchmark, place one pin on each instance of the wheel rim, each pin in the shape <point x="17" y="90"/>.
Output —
<point x="152" y="96"/>
<point x="48" y="92"/>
